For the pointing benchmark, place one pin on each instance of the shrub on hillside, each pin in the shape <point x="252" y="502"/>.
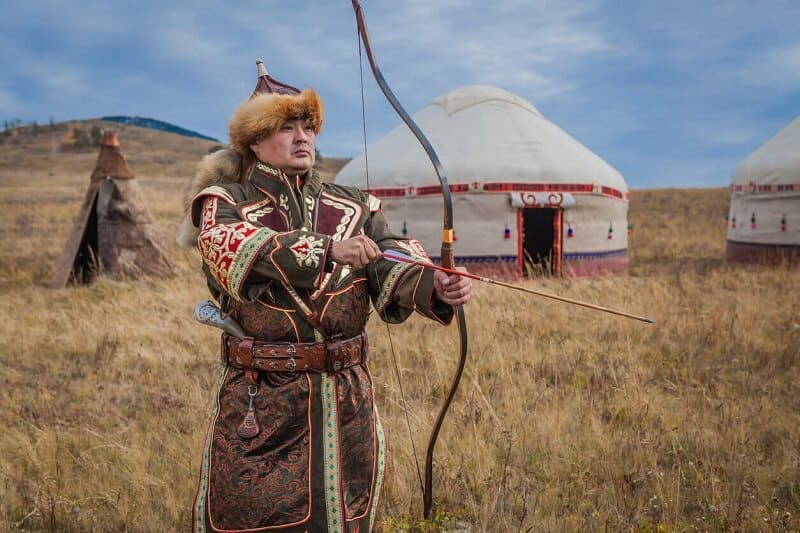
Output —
<point x="79" y="139"/>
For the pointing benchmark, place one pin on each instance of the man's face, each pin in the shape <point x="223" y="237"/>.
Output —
<point x="290" y="149"/>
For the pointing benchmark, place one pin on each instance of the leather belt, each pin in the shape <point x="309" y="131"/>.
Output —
<point x="329" y="356"/>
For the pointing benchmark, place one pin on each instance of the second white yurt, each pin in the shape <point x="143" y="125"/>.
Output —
<point x="764" y="217"/>
<point x="525" y="193"/>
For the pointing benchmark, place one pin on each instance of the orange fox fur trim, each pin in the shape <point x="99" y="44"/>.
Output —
<point x="264" y="114"/>
<point x="219" y="167"/>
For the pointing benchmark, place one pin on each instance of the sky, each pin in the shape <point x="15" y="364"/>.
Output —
<point x="671" y="94"/>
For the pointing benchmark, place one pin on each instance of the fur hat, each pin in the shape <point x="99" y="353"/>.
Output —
<point x="264" y="114"/>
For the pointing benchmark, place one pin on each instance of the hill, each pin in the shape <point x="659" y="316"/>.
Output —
<point x="156" y="124"/>
<point x="70" y="148"/>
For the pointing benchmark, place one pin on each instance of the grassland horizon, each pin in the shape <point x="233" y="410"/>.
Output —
<point x="566" y="419"/>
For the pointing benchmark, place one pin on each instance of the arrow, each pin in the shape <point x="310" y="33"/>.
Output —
<point x="399" y="257"/>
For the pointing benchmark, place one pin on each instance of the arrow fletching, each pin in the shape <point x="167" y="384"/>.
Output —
<point x="398" y="257"/>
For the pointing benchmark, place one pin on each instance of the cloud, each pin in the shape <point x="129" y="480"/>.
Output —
<point x="187" y="44"/>
<point x="535" y="48"/>
<point x="62" y="81"/>
<point x="776" y="68"/>
<point x="649" y="87"/>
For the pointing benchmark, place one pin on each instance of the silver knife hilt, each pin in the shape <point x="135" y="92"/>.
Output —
<point x="208" y="313"/>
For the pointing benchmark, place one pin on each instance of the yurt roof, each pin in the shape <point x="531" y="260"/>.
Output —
<point x="776" y="162"/>
<point x="481" y="133"/>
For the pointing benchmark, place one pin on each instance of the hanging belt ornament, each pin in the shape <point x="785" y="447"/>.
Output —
<point x="446" y="254"/>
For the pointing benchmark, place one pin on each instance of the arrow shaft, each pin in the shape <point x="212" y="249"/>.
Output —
<point x="530" y="291"/>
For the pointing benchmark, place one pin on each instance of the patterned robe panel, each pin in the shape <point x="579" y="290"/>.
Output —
<point x="317" y="463"/>
<point x="266" y="479"/>
<point x="357" y="420"/>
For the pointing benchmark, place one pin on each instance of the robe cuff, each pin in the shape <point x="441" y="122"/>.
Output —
<point x="425" y="301"/>
<point x="230" y="251"/>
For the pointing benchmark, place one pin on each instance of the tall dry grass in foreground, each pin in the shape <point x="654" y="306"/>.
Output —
<point x="566" y="419"/>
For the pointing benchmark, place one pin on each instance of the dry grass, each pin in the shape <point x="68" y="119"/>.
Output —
<point x="566" y="419"/>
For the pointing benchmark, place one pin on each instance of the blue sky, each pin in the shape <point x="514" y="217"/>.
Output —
<point x="672" y="94"/>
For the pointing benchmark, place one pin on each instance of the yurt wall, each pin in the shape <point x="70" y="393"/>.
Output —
<point x="523" y="190"/>
<point x="764" y="215"/>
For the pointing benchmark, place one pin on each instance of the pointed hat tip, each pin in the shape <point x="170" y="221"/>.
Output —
<point x="268" y="84"/>
<point x="262" y="70"/>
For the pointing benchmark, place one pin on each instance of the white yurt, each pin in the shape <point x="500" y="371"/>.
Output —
<point x="764" y="217"/>
<point x="524" y="192"/>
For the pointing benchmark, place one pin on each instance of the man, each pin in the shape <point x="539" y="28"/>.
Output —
<point x="295" y="441"/>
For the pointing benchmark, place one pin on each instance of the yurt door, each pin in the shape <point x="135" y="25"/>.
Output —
<point x="540" y="241"/>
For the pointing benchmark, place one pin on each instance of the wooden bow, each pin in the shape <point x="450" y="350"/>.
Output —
<point x="447" y="250"/>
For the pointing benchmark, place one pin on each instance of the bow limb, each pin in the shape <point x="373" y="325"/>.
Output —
<point x="446" y="254"/>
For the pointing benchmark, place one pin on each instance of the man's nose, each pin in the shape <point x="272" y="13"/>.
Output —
<point x="301" y="135"/>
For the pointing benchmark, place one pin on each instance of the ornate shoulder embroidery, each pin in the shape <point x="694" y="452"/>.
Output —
<point x="338" y="217"/>
<point x="217" y="191"/>
<point x="264" y="212"/>
<point x="349" y="213"/>
<point x="257" y="210"/>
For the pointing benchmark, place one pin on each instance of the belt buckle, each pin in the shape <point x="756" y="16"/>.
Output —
<point x="277" y="358"/>
<point x="333" y="356"/>
<point x="292" y="364"/>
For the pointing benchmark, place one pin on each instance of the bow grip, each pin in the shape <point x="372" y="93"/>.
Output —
<point x="448" y="260"/>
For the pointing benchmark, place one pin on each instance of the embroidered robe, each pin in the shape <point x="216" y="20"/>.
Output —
<point x="317" y="463"/>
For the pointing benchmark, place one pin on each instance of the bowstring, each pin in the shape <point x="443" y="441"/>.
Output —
<point x="375" y="266"/>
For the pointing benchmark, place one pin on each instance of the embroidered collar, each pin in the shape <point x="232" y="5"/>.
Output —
<point x="270" y="171"/>
<point x="312" y="180"/>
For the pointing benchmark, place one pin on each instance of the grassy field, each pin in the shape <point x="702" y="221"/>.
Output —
<point x="566" y="419"/>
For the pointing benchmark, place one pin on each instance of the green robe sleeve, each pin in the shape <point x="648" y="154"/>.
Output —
<point x="244" y="259"/>
<point x="399" y="289"/>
